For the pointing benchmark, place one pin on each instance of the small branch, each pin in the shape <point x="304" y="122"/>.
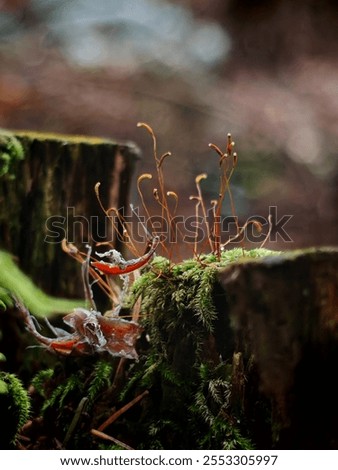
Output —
<point x="102" y="435"/>
<point x="122" y="410"/>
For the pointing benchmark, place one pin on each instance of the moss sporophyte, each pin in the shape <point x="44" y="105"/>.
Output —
<point x="93" y="332"/>
<point x="163" y="324"/>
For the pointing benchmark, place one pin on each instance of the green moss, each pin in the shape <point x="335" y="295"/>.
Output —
<point x="187" y="286"/>
<point x="11" y="151"/>
<point x="72" y="139"/>
<point x="3" y="387"/>
<point x="101" y="379"/>
<point x="60" y="394"/>
<point x="14" y="406"/>
<point x="184" y="306"/>
<point x="40" y="380"/>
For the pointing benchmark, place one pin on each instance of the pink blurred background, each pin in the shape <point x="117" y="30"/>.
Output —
<point x="266" y="71"/>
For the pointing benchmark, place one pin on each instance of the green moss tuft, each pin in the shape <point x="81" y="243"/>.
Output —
<point x="60" y="394"/>
<point x="184" y="310"/>
<point x="11" y="151"/>
<point x="100" y="379"/>
<point x="14" y="406"/>
<point x="40" y="379"/>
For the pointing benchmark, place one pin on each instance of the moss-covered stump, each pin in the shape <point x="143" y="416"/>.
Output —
<point x="47" y="193"/>
<point x="187" y="364"/>
<point x="284" y="311"/>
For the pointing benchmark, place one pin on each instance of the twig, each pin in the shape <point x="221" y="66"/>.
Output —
<point x="105" y="436"/>
<point x="122" y="410"/>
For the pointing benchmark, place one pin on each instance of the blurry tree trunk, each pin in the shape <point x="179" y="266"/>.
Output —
<point x="284" y="311"/>
<point x="52" y="197"/>
<point x="270" y="34"/>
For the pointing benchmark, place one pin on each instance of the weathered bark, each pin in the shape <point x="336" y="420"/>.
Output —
<point x="284" y="311"/>
<point x="52" y="197"/>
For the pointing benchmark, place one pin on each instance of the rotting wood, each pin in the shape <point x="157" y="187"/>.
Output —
<point x="284" y="312"/>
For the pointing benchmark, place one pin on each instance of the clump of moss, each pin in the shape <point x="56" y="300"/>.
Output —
<point x="68" y="401"/>
<point x="182" y="364"/>
<point x="184" y="287"/>
<point x="11" y="151"/>
<point x="14" y="407"/>
<point x="185" y="365"/>
<point x="14" y="401"/>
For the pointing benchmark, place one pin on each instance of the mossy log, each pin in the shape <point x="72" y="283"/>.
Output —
<point x="50" y="195"/>
<point x="284" y="312"/>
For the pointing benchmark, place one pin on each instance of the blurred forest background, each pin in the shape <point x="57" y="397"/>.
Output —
<point x="264" y="70"/>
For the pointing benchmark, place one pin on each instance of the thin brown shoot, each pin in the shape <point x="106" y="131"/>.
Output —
<point x="163" y="229"/>
<point x="106" y="437"/>
<point x="198" y="180"/>
<point x="267" y="236"/>
<point x="86" y="281"/>
<point x="197" y="205"/>
<point x="157" y="196"/>
<point x="151" y="132"/>
<point x="125" y="234"/>
<point x="217" y="149"/>
<point x="234" y="162"/>
<point x="255" y="223"/>
<point x="158" y="161"/>
<point x="158" y="199"/>
<point x="121" y="411"/>
<point x="70" y="248"/>
<point x="144" y="176"/>
<point x="213" y="203"/>
<point x="218" y="208"/>
<point x="161" y="195"/>
<point x="173" y="226"/>
<point x="163" y="157"/>
<point x="230" y="144"/>
<point x="98" y="197"/>
<point x="175" y="196"/>
<point x="106" y="211"/>
<point x="226" y="174"/>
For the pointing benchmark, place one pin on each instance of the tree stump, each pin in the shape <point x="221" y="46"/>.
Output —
<point x="284" y="312"/>
<point x="50" y="195"/>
